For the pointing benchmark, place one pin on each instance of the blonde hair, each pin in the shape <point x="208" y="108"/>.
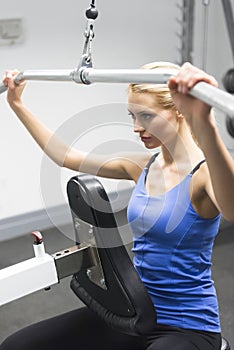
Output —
<point x="162" y="94"/>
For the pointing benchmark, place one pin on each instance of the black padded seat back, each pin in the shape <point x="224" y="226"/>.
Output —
<point x="118" y="296"/>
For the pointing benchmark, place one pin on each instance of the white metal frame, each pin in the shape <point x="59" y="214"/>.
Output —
<point x="27" y="277"/>
<point x="43" y="271"/>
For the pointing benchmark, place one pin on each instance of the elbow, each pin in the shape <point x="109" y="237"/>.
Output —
<point x="59" y="162"/>
<point x="63" y="161"/>
<point x="229" y="219"/>
<point x="226" y="210"/>
<point x="228" y="216"/>
<point x="68" y="164"/>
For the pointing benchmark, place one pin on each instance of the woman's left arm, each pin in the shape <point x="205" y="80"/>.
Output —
<point x="220" y="184"/>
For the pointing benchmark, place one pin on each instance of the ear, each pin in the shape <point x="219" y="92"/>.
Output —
<point x="179" y="115"/>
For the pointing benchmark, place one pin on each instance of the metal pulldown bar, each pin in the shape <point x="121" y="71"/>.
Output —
<point x="85" y="74"/>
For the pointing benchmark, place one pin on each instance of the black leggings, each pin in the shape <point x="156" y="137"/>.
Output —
<point x="82" y="330"/>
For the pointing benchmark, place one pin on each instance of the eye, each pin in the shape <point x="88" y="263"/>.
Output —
<point x="131" y="115"/>
<point x="146" y="116"/>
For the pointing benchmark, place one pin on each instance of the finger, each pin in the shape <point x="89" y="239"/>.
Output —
<point x="6" y="78"/>
<point x="14" y="73"/>
<point x="10" y="79"/>
<point x="200" y="76"/>
<point x="172" y="84"/>
<point x="190" y="75"/>
<point x="175" y="85"/>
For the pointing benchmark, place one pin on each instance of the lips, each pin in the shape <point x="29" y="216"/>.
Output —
<point x="145" y="139"/>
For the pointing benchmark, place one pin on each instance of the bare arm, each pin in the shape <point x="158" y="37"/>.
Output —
<point x="220" y="188"/>
<point x="121" y="166"/>
<point x="220" y="184"/>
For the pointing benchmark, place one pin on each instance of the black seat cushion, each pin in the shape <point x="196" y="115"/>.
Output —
<point x="123" y="301"/>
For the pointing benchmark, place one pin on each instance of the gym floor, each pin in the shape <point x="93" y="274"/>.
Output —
<point x="60" y="298"/>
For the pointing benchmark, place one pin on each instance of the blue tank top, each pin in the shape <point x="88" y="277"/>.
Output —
<point x="172" y="254"/>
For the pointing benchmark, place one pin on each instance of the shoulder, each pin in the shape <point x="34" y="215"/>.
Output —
<point x="135" y="163"/>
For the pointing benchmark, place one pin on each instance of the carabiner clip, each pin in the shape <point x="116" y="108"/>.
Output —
<point x="86" y="58"/>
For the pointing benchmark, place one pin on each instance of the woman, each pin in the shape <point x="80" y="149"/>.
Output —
<point x="174" y="213"/>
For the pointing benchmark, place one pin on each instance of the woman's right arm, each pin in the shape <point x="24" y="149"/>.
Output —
<point x="118" y="166"/>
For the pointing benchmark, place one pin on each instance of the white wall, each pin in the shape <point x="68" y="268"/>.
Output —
<point x="127" y="35"/>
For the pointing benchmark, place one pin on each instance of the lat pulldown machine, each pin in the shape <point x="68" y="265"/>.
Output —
<point x="104" y="277"/>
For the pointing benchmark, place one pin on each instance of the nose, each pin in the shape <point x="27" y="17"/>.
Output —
<point x="138" y="127"/>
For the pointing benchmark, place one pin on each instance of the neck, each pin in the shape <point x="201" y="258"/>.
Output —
<point x="182" y="149"/>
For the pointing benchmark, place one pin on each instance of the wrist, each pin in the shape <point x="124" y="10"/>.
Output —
<point x="16" y="105"/>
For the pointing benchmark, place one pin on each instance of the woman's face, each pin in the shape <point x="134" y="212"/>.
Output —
<point x="155" y="126"/>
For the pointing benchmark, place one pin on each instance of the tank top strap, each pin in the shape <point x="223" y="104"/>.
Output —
<point x="152" y="159"/>
<point x="197" y="166"/>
